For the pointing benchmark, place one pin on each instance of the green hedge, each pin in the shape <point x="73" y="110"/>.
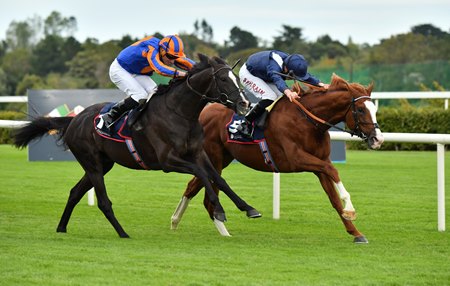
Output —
<point x="410" y="120"/>
<point x="5" y="133"/>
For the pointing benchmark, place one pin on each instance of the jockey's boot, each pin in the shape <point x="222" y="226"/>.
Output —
<point x="118" y="110"/>
<point x="246" y="127"/>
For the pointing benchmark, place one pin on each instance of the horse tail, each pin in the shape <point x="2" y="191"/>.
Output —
<point x="38" y="128"/>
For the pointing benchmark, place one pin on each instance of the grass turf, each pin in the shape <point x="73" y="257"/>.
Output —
<point x="394" y="194"/>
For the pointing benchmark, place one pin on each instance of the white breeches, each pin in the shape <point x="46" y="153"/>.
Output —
<point x="134" y="85"/>
<point x="256" y="86"/>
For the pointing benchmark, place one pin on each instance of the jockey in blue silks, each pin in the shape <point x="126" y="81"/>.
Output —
<point x="262" y="76"/>
<point x="134" y="65"/>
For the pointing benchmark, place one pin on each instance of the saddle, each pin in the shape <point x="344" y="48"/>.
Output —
<point x="119" y="131"/>
<point x="234" y="135"/>
<point x="121" y="128"/>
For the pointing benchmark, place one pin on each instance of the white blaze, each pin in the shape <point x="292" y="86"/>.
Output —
<point x="233" y="78"/>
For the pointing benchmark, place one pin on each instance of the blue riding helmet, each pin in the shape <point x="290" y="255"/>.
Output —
<point x="297" y="64"/>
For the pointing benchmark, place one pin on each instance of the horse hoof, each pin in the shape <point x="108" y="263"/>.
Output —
<point x="349" y="215"/>
<point x="220" y="217"/>
<point x="124" y="235"/>
<point x="63" y="230"/>
<point x="253" y="213"/>
<point x="360" y="240"/>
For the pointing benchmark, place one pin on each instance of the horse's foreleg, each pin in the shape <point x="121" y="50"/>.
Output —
<point x="238" y="201"/>
<point x="329" y="186"/>
<point x="75" y="196"/>
<point x="192" y="189"/>
<point x="173" y="163"/>
<point x="348" y="212"/>
<point x="179" y="211"/>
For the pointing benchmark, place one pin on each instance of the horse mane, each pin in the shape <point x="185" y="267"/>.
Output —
<point x="198" y="67"/>
<point x="337" y="84"/>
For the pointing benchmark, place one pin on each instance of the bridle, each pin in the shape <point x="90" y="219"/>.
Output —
<point x="222" y="97"/>
<point x="357" y="130"/>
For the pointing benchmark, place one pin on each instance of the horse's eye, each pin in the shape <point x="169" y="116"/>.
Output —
<point x="360" y="110"/>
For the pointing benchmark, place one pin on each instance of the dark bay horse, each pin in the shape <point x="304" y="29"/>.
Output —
<point x="298" y="141"/>
<point x="167" y="135"/>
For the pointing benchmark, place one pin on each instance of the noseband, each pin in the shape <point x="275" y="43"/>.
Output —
<point x="223" y="97"/>
<point x="358" y="132"/>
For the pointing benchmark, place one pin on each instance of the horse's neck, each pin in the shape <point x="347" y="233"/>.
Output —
<point x="184" y="103"/>
<point x="331" y="106"/>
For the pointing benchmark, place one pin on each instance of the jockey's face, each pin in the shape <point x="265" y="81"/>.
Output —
<point x="166" y="58"/>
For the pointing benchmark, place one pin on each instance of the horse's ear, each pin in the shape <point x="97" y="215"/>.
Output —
<point x="202" y="57"/>
<point x="369" y="88"/>
<point x="219" y="60"/>
<point x="337" y="82"/>
<point x="296" y="87"/>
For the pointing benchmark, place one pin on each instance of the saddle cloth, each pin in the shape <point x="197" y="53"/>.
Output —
<point x="235" y="136"/>
<point x="120" y="130"/>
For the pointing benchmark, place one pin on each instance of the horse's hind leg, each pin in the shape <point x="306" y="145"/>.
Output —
<point x="75" y="196"/>
<point x="96" y="166"/>
<point x="333" y="194"/>
<point x="221" y="184"/>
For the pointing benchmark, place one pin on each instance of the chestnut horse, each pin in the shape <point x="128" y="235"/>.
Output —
<point x="298" y="140"/>
<point x="167" y="135"/>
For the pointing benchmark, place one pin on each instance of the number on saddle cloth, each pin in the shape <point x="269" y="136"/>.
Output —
<point x="234" y="135"/>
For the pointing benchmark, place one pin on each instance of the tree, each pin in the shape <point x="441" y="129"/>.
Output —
<point x="288" y="36"/>
<point x="92" y="64"/>
<point x="16" y="64"/>
<point x="29" y="82"/>
<point x="23" y="35"/>
<point x="406" y="48"/>
<point x="57" y="25"/>
<point x="240" y="40"/>
<point x="203" y="31"/>
<point x="193" y="46"/>
<point x="353" y="55"/>
<point x="3" y="83"/>
<point x="3" y="48"/>
<point x="125" y="41"/>
<point x="291" y="41"/>
<point x="428" y="30"/>
<point x="48" y="56"/>
<point x="70" y="48"/>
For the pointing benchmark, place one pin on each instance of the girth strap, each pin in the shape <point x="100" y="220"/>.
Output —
<point x="267" y="157"/>
<point x="135" y="154"/>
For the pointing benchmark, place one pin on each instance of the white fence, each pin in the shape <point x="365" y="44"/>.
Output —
<point x="439" y="139"/>
<point x="376" y="96"/>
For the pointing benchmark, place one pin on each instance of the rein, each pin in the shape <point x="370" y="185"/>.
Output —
<point x="202" y="95"/>
<point x="357" y="131"/>
<point x="222" y="98"/>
